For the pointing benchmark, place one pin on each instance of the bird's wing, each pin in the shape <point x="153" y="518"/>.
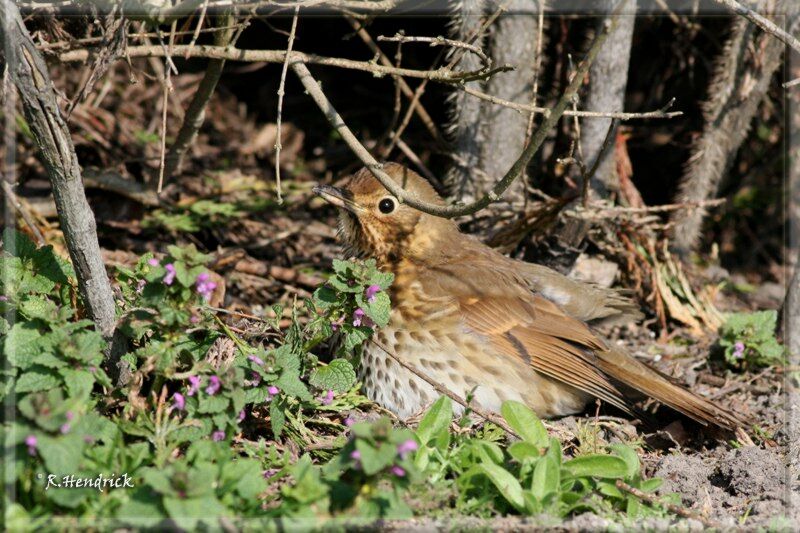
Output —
<point x="520" y="324"/>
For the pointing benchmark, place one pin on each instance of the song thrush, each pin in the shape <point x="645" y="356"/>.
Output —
<point x="470" y="318"/>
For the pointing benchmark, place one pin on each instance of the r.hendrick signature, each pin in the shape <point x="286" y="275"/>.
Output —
<point x="99" y="483"/>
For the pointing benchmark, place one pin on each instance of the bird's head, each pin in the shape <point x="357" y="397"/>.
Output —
<point x="372" y="223"/>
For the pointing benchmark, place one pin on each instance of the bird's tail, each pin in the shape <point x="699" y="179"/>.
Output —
<point x="627" y="371"/>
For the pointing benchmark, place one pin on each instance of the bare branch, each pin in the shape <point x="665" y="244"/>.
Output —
<point x="440" y="41"/>
<point x="196" y="112"/>
<point x="762" y="22"/>
<point x="231" y="53"/>
<point x="280" y="105"/>
<point x="29" y="73"/>
<point x="660" y="113"/>
<point x="500" y="187"/>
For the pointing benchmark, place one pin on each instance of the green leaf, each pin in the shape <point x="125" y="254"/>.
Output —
<point x="61" y="455"/>
<point x="597" y="465"/>
<point x="189" y="512"/>
<point x="507" y="485"/>
<point x="373" y="460"/>
<point x="277" y="418"/>
<point x="629" y="455"/>
<point x="436" y="420"/>
<point x="522" y="450"/>
<point x="22" y="344"/>
<point x="39" y="307"/>
<point x="17" y="244"/>
<point x="339" y="375"/>
<point x="546" y="477"/>
<point x="79" y="382"/>
<point x="652" y="484"/>
<point x="212" y="404"/>
<point x="37" y="379"/>
<point x="525" y="423"/>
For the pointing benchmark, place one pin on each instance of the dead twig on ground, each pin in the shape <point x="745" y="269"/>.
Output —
<point x="653" y="500"/>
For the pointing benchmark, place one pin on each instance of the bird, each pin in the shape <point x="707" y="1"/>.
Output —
<point x="477" y="322"/>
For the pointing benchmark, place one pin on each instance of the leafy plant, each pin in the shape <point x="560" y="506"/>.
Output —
<point x="748" y="340"/>
<point x="201" y="431"/>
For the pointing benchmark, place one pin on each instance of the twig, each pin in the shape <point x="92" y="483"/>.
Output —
<point x="315" y="91"/>
<point x="281" y="86"/>
<point x="196" y="112"/>
<point x="12" y="199"/>
<point x="167" y="90"/>
<point x="612" y="128"/>
<point x="418" y="108"/>
<point x="199" y="26"/>
<point x="438" y="387"/>
<point x="659" y="113"/>
<point x="761" y="21"/>
<point x="536" y="69"/>
<point x="440" y="41"/>
<point x="792" y="83"/>
<point x="28" y="71"/>
<point x="231" y="53"/>
<point x="653" y="500"/>
<point x="612" y="212"/>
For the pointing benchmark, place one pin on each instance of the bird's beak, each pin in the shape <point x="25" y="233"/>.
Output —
<point x="337" y="197"/>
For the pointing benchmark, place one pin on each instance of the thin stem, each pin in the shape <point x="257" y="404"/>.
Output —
<point x="281" y="91"/>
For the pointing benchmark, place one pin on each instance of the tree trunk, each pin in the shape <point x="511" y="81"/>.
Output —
<point x="608" y="79"/>
<point x="488" y="138"/>
<point x="29" y="73"/>
<point x="738" y="87"/>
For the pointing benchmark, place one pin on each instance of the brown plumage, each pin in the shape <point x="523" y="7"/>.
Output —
<point x="471" y="318"/>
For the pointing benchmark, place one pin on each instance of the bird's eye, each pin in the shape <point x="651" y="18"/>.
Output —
<point x="386" y="205"/>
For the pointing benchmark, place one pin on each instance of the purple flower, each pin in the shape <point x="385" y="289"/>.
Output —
<point x="194" y="319"/>
<point x="178" y="401"/>
<point x="256" y="379"/>
<point x="31" y="442"/>
<point x="92" y="369"/>
<point x="328" y="398"/>
<point x="70" y="415"/>
<point x="3" y="298"/>
<point x="170" y="277"/>
<point x="205" y="287"/>
<point x="398" y="471"/>
<point x="218" y="435"/>
<point x="358" y="316"/>
<point x="269" y="472"/>
<point x="64" y="429"/>
<point x="404" y="448"/>
<point x="241" y="415"/>
<point x="153" y="262"/>
<point x="349" y="421"/>
<point x="88" y="439"/>
<point x="371" y="291"/>
<point x="256" y="359"/>
<point x="355" y="455"/>
<point x="213" y="385"/>
<point x="273" y="390"/>
<point x="738" y="350"/>
<point x="194" y="385"/>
